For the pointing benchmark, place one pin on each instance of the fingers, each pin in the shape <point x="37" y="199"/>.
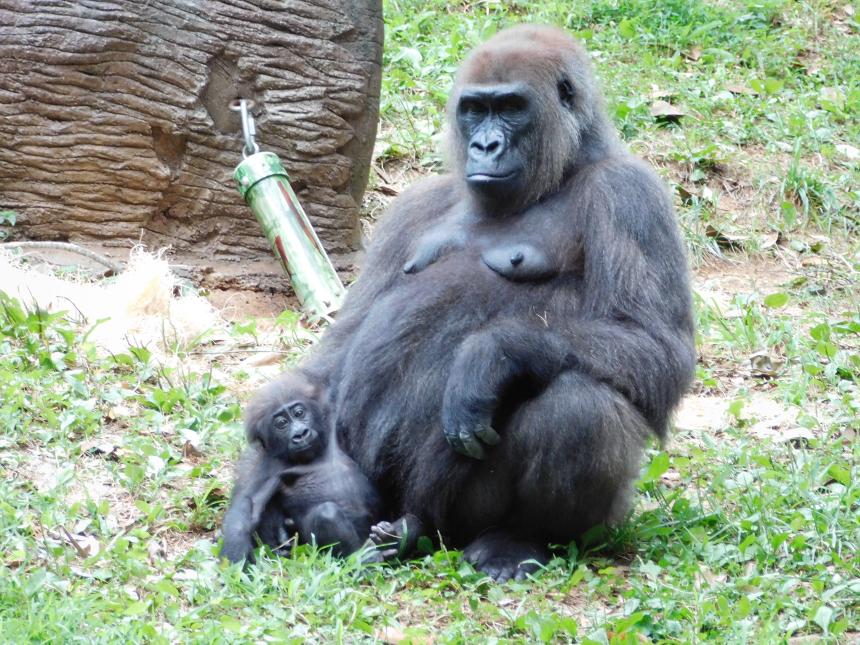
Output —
<point x="486" y="434"/>
<point x="465" y="439"/>
<point x="469" y="444"/>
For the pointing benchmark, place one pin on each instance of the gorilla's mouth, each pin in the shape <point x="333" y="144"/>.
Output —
<point x="486" y="178"/>
<point x="302" y="444"/>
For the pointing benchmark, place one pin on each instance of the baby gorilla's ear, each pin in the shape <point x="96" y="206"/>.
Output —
<point x="259" y="414"/>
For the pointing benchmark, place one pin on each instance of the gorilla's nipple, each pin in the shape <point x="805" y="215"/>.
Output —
<point x="517" y="258"/>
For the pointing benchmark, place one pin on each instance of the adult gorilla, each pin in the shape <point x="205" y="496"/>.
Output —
<point x="511" y="413"/>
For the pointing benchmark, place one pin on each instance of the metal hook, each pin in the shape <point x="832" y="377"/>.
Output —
<point x="249" y="130"/>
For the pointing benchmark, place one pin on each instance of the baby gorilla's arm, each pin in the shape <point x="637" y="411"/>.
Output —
<point x="520" y="262"/>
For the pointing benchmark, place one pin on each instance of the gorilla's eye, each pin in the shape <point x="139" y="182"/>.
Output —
<point x="472" y="107"/>
<point x="281" y="421"/>
<point x="510" y="103"/>
<point x="565" y="93"/>
<point x="298" y="410"/>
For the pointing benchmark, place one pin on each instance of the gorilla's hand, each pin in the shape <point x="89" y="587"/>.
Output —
<point x="466" y="419"/>
<point x="487" y="362"/>
<point x="478" y="374"/>
<point x="432" y="247"/>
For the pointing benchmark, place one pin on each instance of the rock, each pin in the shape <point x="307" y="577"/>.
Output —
<point x="115" y="124"/>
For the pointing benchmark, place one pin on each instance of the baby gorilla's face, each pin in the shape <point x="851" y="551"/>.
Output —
<point x="297" y="433"/>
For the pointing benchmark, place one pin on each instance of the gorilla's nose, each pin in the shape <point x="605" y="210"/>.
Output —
<point x="301" y="434"/>
<point x="485" y="145"/>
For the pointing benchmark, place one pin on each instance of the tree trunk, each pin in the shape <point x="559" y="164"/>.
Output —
<point x="115" y="123"/>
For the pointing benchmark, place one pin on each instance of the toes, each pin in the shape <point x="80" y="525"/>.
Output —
<point x="474" y="555"/>
<point x="502" y="557"/>
<point x="383" y="532"/>
<point x="499" y="570"/>
<point x="502" y="570"/>
<point x="371" y="555"/>
<point x="523" y="572"/>
<point x="505" y="573"/>
<point x="492" y="571"/>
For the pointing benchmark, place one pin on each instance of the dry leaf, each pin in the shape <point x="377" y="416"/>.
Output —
<point x="387" y="190"/>
<point x="657" y="93"/>
<point x="768" y="240"/>
<point x="849" y="152"/>
<point x="85" y="545"/>
<point x="685" y="195"/>
<point x="832" y="94"/>
<point x="263" y="358"/>
<point x="765" y="365"/>
<point x="666" y="111"/>
<point x="795" y="435"/>
<point x="119" y="412"/>
<point x="737" y="88"/>
<point x="107" y="450"/>
<point x="395" y="636"/>
<point x="726" y="239"/>
<point x="190" y="450"/>
<point x="694" y="54"/>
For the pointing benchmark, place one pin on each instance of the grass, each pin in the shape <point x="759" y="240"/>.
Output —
<point x="115" y="470"/>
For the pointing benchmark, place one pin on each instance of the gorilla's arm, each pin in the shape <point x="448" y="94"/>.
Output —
<point x="410" y="216"/>
<point x="632" y="330"/>
<point x="432" y="247"/>
<point x="258" y="477"/>
<point x="648" y="367"/>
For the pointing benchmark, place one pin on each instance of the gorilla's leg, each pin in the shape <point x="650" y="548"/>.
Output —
<point x="275" y="529"/>
<point x="502" y="556"/>
<point x="566" y="462"/>
<point x="326" y="524"/>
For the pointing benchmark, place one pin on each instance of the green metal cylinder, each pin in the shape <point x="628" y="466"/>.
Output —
<point x="264" y="184"/>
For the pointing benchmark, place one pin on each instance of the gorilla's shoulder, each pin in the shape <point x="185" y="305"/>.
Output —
<point x="624" y="174"/>
<point x="632" y="196"/>
<point x="422" y="202"/>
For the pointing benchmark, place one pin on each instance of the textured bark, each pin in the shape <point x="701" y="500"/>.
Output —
<point x="115" y="127"/>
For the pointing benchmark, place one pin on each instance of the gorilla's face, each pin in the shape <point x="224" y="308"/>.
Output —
<point x="494" y="121"/>
<point x="297" y="433"/>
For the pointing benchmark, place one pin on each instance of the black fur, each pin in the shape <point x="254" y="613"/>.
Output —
<point x="294" y="480"/>
<point x="478" y="402"/>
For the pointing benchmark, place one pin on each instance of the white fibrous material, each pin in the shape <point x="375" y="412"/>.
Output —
<point x="138" y="308"/>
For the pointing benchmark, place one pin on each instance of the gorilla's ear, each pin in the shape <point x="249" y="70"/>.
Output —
<point x="565" y="93"/>
<point x="258" y="418"/>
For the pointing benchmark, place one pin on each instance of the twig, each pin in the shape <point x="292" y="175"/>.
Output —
<point x="66" y="246"/>
<point x="200" y="352"/>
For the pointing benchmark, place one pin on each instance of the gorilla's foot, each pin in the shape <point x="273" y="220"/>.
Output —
<point x="502" y="556"/>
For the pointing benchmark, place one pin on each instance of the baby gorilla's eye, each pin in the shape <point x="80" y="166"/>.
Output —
<point x="281" y="421"/>
<point x="298" y="410"/>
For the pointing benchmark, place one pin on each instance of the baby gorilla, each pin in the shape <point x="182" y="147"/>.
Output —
<point x="294" y="479"/>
